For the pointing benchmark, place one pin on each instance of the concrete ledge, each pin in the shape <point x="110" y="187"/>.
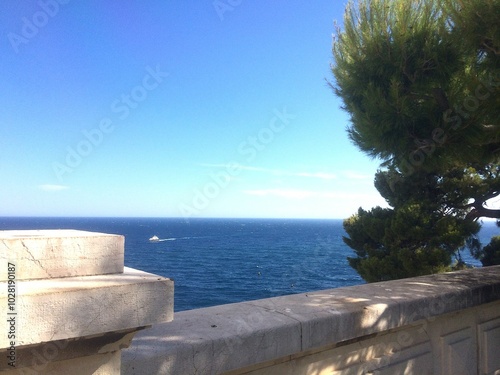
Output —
<point x="44" y="254"/>
<point x="223" y="338"/>
<point x="71" y="307"/>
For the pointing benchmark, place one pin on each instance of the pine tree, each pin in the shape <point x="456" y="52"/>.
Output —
<point x="420" y="80"/>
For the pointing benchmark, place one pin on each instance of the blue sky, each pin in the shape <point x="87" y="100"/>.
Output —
<point x="175" y="108"/>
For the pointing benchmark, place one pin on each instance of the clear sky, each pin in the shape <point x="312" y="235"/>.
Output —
<point x="175" y="108"/>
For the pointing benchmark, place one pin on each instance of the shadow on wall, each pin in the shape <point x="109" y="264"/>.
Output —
<point x="363" y="328"/>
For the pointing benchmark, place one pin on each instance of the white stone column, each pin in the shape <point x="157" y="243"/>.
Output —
<point x="68" y="305"/>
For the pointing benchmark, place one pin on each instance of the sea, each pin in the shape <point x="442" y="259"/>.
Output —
<point x="219" y="261"/>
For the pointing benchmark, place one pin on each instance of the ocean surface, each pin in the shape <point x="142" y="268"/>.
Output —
<point x="218" y="261"/>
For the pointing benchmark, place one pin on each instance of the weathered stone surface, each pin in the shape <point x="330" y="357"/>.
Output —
<point x="290" y="330"/>
<point x="46" y="357"/>
<point x="69" y="304"/>
<point x="70" y="307"/>
<point x="97" y="364"/>
<point x="44" y="254"/>
<point x="208" y="340"/>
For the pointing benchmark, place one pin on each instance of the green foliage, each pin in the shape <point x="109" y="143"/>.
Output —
<point x="476" y="28"/>
<point x="381" y="58"/>
<point x="414" y="239"/>
<point x="490" y="254"/>
<point x="420" y="80"/>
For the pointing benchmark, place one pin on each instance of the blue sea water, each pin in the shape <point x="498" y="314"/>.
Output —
<point x="218" y="261"/>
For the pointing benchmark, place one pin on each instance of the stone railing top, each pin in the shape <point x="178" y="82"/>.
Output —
<point x="72" y="307"/>
<point x="222" y="338"/>
<point x="45" y="254"/>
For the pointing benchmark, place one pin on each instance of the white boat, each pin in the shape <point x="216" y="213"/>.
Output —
<point x="154" y="239"/>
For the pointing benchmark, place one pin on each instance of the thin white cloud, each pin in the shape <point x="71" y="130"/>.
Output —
<point x="284" y="193"/>
<point x="216" y="165"/>
<point x="353" y="175"/>
<point x="321" y="175"/>
<point x="361" y="199"/>
<point x="276" y="172"/>
<point x="50" y="187"/>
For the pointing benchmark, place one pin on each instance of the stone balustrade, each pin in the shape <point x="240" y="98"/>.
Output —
<point x="68" y="303"/>
<point x="439" y="324"/>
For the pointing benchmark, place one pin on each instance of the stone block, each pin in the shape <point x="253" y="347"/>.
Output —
<point x="70" y="307"/>
<point x="45" y="254"/>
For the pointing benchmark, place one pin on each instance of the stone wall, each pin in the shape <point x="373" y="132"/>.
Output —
<point x="438" y="324"/>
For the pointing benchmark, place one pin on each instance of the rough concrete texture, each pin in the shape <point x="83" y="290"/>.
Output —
<point x="38" y="356"/>
<point x="223" y="338"/>
<point x="62" y="308"/>
<point x="44" y="254"/>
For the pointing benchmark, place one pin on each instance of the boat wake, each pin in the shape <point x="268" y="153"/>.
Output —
<point x="156" y="239"/>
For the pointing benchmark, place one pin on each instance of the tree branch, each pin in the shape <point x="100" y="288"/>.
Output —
<point x="476" y="213"/>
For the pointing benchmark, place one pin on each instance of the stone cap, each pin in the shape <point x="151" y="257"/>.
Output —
<point x="72" y="307"/>
<point x="45" y="254"/>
